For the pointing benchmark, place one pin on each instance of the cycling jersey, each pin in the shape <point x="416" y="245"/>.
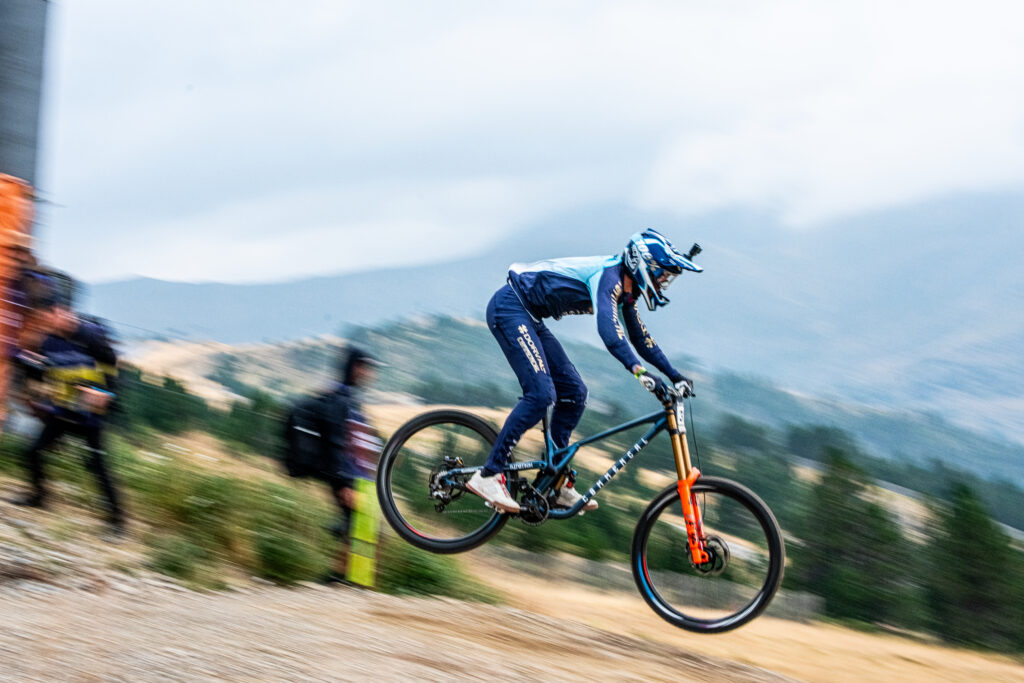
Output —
<point x="84" y="358"/>
<point x="585" y="285"/>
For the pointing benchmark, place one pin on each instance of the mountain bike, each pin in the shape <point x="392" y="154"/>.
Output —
<point x="707" y="553"/>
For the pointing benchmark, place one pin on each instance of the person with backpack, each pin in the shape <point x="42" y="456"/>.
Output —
<point x="77" y="368"/>
<point x="320" y="443"/>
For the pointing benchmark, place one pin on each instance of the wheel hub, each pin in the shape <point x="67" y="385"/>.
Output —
<point x="718" y="557"/>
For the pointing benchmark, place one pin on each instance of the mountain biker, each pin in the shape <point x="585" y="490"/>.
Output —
<point x="574" y="286"/>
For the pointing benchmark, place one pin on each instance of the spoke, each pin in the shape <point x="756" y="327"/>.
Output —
<point x="431" y="501"/>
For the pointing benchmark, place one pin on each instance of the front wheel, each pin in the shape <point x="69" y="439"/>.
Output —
<point x="422" y="499"/>
<point x="746" y="557"/>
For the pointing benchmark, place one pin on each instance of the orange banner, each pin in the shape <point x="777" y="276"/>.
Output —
<point x="16" y="212"/>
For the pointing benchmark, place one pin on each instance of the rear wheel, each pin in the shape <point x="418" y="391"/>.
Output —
<point x="746" y="558"/>
<point x="423" y="501"/>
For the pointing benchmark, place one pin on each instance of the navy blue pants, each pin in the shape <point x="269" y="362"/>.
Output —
<point x="545" y="373"/>
<point x="53" y="429"/>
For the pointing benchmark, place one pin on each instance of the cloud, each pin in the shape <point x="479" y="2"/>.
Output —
<point x="355" y="226"/>
<point x="444" y="127"/>
<point x="928" y="101"/>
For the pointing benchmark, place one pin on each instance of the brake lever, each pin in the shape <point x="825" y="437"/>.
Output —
<point x="665" y="394"/>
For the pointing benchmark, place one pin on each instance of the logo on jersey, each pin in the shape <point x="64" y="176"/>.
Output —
<point x="648" y="340"/>
<point x="615" y="296"/>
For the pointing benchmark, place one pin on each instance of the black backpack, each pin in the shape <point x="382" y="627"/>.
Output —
<point x="310" y="427"/>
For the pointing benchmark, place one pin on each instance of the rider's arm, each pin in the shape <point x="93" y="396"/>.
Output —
<point x="644" y="343"/>
<point x="607" y="298"/>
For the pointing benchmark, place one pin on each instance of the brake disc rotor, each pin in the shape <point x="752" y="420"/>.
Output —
<point x="718" y="552"/>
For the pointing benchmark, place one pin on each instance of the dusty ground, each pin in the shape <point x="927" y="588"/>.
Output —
<point x="136" y="630"/>
<point x="152" y="633"/>
<point x="812" y="651"/>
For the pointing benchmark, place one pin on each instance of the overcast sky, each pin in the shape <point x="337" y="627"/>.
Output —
<point x="254" y="141"/>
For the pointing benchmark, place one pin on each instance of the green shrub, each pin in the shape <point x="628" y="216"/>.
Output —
<point x="270" y="529"/>
<point x="404" y="569"/>
<point x="201" y="521"/>
<point x="285" y="558"/>
<point x="210" y="510"/>
<point x="177" y="557"/>
<point x="11" y="448"/>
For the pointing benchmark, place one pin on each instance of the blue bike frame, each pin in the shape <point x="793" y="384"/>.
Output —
<point x="556" y="460"/>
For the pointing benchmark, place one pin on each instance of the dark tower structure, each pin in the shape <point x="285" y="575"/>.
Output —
<point x="22" y="38"/>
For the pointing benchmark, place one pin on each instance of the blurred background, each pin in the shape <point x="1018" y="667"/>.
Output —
<point x="241" y="189"/>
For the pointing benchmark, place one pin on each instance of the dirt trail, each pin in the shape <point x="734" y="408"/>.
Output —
<point x="140" y="630"/>
<point x="812" y="651"/>
<point x="153" y="633"/>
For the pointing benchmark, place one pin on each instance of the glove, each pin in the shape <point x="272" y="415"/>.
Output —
<point x="651" y="383"/>
<point x="684" y="386"/>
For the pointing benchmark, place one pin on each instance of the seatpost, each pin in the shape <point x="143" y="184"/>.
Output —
<point x="548" y="444"/>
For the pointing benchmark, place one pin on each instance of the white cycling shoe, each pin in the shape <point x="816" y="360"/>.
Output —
<point x="492" y="489"/>
<point x="567" y="497"/>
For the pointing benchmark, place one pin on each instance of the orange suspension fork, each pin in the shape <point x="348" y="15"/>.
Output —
<point x="686" y="476"/>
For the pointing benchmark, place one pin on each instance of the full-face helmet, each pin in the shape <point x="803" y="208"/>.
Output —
<point x="653" y="263"/>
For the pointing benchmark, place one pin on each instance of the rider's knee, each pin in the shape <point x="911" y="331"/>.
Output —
<point x="575" y="396"/>
<point x="542" y="396"/>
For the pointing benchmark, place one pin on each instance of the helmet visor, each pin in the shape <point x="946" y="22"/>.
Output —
<point x="663" y="280"/>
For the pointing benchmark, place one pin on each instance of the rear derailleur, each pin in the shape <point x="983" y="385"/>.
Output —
<point x="444" y="487"/>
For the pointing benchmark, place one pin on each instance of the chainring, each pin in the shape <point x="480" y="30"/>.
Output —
<point x="533" y="507"/>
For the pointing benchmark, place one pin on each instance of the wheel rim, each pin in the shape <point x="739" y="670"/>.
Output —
<point x="417" y="478"/>
<point x="733" y="587"/>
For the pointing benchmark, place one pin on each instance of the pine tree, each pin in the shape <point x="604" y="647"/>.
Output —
<point x="972" y="595"/>
<point x="853" y="553"/>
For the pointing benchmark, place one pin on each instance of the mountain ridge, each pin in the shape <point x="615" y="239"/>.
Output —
<point x="459" y="354"/>
<point x="918" y="307"/>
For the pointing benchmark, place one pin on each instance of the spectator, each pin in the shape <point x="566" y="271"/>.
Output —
<point x="27" y="286"/>
<point x="77" y="366"/>
<point x="348" y="429"/>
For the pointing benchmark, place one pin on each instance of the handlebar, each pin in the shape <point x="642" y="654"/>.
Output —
<point x="665" y="393"/>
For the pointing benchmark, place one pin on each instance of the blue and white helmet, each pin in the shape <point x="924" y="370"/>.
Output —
<point x="653" y="262"/>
